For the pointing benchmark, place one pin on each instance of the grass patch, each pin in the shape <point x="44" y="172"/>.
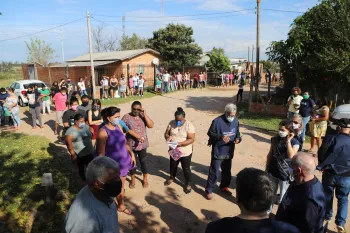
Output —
<point x="267" y="123"/>
<point x="23" y="160"/>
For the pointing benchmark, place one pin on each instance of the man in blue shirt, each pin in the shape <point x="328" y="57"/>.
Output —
<point x="306" y="106"/>
<point x="304" y="204"/>
<point x="334" y="161"/>
<point x="223" y="135"/>
<point x="3" y="96"/>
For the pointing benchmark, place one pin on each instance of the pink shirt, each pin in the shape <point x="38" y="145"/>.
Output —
<point x="230" y="76"/>
<point x="60" y="101"/>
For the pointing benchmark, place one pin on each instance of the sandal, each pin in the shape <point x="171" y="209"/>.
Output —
<point x="125" y="211"/>
<point x="168" y="182"/>
<point x="188" y="189"/>
<point x="145" y="184"/>
<point x="131" y="186"/>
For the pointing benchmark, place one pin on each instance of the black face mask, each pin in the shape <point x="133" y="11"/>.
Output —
<point x="29" y="92"/>
<point x="85" y="104"/>
<point x="113" y="189"/>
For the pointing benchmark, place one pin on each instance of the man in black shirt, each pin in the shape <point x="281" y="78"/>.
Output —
<point x="306" y="106"/>
<point x="304" y="204"/>
<point x="255" y="192"/>
<point x="85" y="105"/>
<point x="68" y="116"/>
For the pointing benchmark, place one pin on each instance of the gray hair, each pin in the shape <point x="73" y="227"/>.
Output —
<point x="96" y="169"/>
<point x="306" y="162"/>
<point x="231" y="108"/>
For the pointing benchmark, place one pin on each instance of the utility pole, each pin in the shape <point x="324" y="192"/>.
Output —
<point x="62" y="46"/>
<point x="91" y="58"/>
<point x="257" y="75"/>
<point x="123" y="26"/>
<point x="252" y="80"/>
<point x="248" y="59"/>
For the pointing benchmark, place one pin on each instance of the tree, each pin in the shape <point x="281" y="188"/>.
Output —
<point x="176" y="44"/>
<point x="102" y="42"/>
<point x="132" y="42"/>
<point x="218" y="63"/>
<point x="317" y="50"/>
<point x="39" y="52"/>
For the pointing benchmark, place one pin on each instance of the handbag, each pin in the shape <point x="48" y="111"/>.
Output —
<point x="175" y="154"/>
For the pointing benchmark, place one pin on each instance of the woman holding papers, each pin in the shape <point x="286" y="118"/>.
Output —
<point x="180" y="135"/>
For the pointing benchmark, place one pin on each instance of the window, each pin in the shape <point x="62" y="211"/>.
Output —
<point x="17" y="86"/>
<point x="141" y="69"/>
<point x="40" y="85"/>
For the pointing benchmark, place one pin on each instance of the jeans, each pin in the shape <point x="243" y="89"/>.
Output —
<point x="35" y="112"/>
<point x="142" y="154"/>
<point x="82" y="163"/>
<point x="341" y="185"/>
<point x="46" y="104"/>
<point x="305" y="121"/>
<point x="240" y="94"/>
<point x="15" y="118"/>
<point x="186" y="168"/>
<point x="214" y="173"/>
<point x="83" y="92"/>
<point x="174" y="85"/>
<point x="166" y="87"/>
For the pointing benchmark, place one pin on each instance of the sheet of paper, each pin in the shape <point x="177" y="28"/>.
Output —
<point x="172" y="145"/>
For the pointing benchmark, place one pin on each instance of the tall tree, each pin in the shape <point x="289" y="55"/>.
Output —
<point x="103" y="42"/>
<point x="39" y="51"/>
<point x="218" y="63"/>
<point x="133" y="42"/>
<point x="176" y="45"/>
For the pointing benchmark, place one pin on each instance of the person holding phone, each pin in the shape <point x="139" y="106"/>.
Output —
<point x="283" y="148"/>
<point x="223" y="136"/>
<point x="138" y="121"/>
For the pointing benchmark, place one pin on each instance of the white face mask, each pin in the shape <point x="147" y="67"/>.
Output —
<point x="282" y="134"/>
<point x="230" y="118"/>
<point x="295" y="126"/>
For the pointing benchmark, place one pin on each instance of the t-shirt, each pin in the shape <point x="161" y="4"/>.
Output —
<point x="135" y="81"/>
<point x="3" y="97"/>
<point x="81" y="86"/>
<point x="54" y="90"/>
<point x="60" y="101"/>
<point x="9" y="102"/>
<point x="238" y="225"/>
<point x="68" y="116"/>
<point x="166" y="77"/>
<point x="33" y="99"/>
<point x="295" y="100"/>
<point x="81" y="140"/>
<point x="70" y="87"/>
<point x="179" y="77"/>
<point x="179" y="134"/>
<point x="158" y="81"/>
<point x="87" y="214"/>
<point x="85" y="108"/>
<point x="306" y="106"/>
<point x="45" y="92"/>
<point x="138" y="125"/>
<point x="105" y="82"/>
<point x="141" y="82"/>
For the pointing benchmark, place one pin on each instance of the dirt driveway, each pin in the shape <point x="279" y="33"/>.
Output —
<point x="169" y="209"/>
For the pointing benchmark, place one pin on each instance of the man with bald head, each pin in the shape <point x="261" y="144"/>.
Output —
<point x="304" y="204"/>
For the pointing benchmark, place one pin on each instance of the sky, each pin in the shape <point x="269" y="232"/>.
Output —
<point x="229" y="24"/>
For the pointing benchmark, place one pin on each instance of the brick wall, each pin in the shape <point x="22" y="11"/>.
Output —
<point x="43" y="74"/>
<point x="25" y="71"/>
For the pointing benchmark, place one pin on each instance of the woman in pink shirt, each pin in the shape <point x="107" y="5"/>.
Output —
<point x="230" y="78"/>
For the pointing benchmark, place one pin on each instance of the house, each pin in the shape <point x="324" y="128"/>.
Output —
<point x="127" y="62"/>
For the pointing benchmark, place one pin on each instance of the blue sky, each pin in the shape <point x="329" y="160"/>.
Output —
<point x="232" y="31"/>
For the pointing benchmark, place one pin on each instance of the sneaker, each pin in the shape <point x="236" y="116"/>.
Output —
<point x="209" y="196"/>
<point x="341" y="229"/>
<point x="226" y="191"/>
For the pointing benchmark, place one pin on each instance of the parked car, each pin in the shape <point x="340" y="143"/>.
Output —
<point x="342" y="111"/>
<point x="21" y="88"/>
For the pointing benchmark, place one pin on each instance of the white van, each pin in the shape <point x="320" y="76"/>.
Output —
<point x="21" y="88"/>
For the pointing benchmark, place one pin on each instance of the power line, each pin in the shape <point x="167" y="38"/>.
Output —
<point x="283" y="11"/>
<point x="176" y="16"/>
<point x="42" y="30"/>
<point x="107" y="24"/>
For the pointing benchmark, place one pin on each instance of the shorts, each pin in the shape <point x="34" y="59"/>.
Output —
<point x="158" y="86"/>
<point x="59" y="115"/>
<point x="136" y="87"/>
<point x="114" y="88"/>
<point x="140" y="88"/>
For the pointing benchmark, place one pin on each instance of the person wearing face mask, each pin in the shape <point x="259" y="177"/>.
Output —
<point x="304" y="204"/>
<point x="111" y="142"/>
<point x="298" y="128"/>
<point x="138" y="121"/>
<point x="334" y="162"/>
<point x="85" y="103"/>
<point x="45" y="95"/>
<point x="79" y="144"/>
<point x="34" y="96"/>
<point x="93" y="209"/>
<point x="54" y="89"/>
<point x="3" y="96"/>
<point x="223" y="136"/>
<point x="68" y="116"/>
<point x="306" y="106"/>
<point x="294" y="102"/>
<point x="122" y="86"/>
<point x="60" y="100"/>
<point x="182" y="132"/>
<point x="283" y="147"/>
<point x="70" y="87"/>
<point x="95" y="117"/>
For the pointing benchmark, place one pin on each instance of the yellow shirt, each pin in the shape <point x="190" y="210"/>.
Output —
<point x="179" y="134"/>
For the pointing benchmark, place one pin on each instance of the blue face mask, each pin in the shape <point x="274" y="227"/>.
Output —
<point x="178" y="123"/>
<point x="116" y="121"/>
<point x="81" y="125"/>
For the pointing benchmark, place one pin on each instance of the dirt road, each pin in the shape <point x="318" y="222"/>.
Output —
<point x="169" y="209"/>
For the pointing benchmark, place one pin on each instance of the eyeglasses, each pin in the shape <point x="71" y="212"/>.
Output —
<point x="137" y="109"/>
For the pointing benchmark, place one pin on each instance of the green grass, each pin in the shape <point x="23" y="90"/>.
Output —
<point x="267" y="123"/>
<point x="118" y="101"/>
<point x="7" y="78"/>
<point x="23" y="160"/>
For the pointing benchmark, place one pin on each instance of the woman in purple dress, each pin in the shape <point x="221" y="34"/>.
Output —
<point x="111" y="142"/>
